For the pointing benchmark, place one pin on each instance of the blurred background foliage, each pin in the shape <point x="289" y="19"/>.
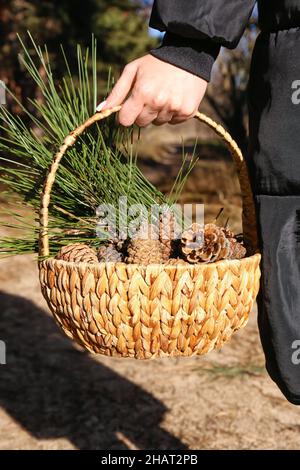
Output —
<point x="120" y="27"/>
<point x="122" y="33"/>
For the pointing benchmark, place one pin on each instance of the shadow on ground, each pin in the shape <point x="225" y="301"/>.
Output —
<point x="56" y="391"/>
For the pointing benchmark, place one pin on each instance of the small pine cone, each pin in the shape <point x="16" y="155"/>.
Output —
<point x="77" y="253"/>
<point x="109" y="254"/>
<point x="116" y="243"/>
<point x="167" y="232"/>
<point x="111" y="238"/>
<point x="237" y="250"/>
<point x="144" y="252"/>
<point x="192" y="242"/>
<point x="227" y="232"/>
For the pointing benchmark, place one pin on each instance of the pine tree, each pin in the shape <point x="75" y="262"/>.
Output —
<point x="122" y="31"/>
<point x="118" y="25"/>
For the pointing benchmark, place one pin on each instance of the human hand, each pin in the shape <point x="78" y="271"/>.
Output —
<point x="156" y="92"/>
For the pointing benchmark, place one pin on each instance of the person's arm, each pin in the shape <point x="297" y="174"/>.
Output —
<point x="196" y="30"/>
<point x="168" y="84"/>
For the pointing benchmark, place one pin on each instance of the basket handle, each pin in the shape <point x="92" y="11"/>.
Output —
<point x="249" y="216"/>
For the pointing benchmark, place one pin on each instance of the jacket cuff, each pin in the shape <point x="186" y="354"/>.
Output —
<point x="194" y="56"/>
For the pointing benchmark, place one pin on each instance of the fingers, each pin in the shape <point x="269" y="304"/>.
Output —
<point x="186" y="112"/>
<point x="130" y="111"/>
<point x="153" y="91"/>
<point x="162" y="118"/>
<point x="155" y="105"/>
<point x="100" y="106"/>
<point x="147" y="116"/>
<point x="122" y="87"/>
<point x="181" y="118"/>
<point x="142" y="107"/>
<point x="134" y="110"/>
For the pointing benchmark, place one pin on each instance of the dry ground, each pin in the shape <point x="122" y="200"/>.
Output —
<point x="53" y="395"/>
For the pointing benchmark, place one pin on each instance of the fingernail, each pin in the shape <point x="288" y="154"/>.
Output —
<point x="101" y="106"/>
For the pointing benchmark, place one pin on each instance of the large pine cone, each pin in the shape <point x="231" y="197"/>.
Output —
<point x="217" y="246"/>
<point x="77" y="253"/>
<point x="167" y="233"/>
<point x="109" y="254"/>
<point x="210" y="243"/>
<point x="145" y="252"/>
<point x="146" y="231"/>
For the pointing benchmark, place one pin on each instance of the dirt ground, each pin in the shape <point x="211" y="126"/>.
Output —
<point x="53" y="395"/>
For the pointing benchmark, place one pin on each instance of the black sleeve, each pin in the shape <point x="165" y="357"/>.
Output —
<point x="196" y="30"/>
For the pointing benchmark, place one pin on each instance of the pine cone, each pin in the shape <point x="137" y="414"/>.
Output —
<point x="145" y="252"/>
<point x="205" y="244"/>
<point x="108" y="253"/>
<point x="227" y="232"/>
<point x="192" y="241"/>
<point x="167" y="233"/>
<point x="237" y="250"/>
<point x="77" y="253"/>
<point x="217" y="246"/>
<point x="210" y="243"/>
<point x="112" y="239"/>
<point x="146" y="232"/>
<point x="118" y="244"/>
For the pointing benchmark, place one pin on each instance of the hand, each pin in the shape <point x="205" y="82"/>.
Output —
<point x="156" y="92"/>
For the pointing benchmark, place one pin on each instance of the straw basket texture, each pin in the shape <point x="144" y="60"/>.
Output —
<point x="156" y="310"/>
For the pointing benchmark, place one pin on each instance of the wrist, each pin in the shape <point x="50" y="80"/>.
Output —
<point x="194" y="56"/>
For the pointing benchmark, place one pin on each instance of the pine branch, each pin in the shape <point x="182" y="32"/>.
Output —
<point x="95" y="172"/>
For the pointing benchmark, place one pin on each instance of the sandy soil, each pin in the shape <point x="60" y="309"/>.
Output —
<point x="53" y="395"/>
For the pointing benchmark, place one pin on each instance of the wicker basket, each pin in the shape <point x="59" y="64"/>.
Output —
<point x="145" y="312"/>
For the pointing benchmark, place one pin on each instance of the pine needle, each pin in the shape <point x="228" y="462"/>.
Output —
<point x="99" y="170"/>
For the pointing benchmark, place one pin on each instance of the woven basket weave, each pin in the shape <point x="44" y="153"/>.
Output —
<point x="156" y="310"/>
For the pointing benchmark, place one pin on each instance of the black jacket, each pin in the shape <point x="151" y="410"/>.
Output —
<point x="196" y="29"/>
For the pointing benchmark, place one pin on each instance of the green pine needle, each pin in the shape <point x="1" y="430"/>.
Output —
<point x="99" y="170"/>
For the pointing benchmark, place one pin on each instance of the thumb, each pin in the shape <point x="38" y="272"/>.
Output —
<point x="122" y="87"/>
